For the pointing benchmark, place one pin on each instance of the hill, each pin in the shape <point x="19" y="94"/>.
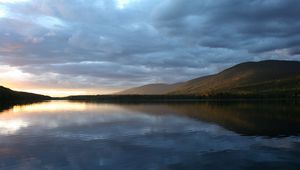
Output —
<point x="151" y="89"/>
<point x="270" y="77"/>
<point x="9" y="96"/>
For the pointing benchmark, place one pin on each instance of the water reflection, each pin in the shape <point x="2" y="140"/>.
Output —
<point x="267" y="119"/>
<point x="73" y="135"/>
<point x="58" y="114"/>
<point x="51" y="106"/>
<point x="11" y="126"/>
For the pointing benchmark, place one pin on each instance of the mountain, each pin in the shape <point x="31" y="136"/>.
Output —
<point x="264" y="77"/>
<point x="8" y="95"/>
<point x="151" y="89"/>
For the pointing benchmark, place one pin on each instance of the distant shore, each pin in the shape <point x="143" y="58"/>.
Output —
<point x="177" y="98"/>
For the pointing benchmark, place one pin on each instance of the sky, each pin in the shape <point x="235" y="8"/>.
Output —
<point x="63" y="47"/>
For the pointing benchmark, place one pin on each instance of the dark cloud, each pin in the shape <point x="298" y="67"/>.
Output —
<point x="255" y="25"/>
<point x="99" y="43"/>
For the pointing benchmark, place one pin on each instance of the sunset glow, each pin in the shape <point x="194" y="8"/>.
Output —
<point x="16" y="79"/>
<point x="149" y="84"/>
<point x="57" y="48"/>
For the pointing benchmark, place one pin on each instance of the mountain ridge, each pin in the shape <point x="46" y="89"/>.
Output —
<point x="237" y="79"/>
<point x="151" y="89"/>
<point x="8" y="95"/>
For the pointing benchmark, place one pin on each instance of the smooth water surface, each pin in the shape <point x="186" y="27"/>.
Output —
<point x="65" y="135"/>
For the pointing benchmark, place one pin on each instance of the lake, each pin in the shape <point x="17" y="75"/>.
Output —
<point x="64" y="135"/>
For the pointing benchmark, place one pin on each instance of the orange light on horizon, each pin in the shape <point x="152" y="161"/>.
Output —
<point x="12" y="77"/>
<point x="16" y="79"/>
<point x="55" y="92"/>
<point x="67" y="92"/>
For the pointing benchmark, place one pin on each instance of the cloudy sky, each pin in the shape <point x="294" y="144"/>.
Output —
<point x="63" y="47"/>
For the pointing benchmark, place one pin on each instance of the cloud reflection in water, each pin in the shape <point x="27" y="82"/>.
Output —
<point x="108" y="136"/>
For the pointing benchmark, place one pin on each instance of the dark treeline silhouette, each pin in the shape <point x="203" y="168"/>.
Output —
<point x="182" y="98"/>
<point x="14" y="97"/>
<point x="10" y="98"/>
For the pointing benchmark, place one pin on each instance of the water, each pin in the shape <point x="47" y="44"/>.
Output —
<point x="64" y="135"/>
